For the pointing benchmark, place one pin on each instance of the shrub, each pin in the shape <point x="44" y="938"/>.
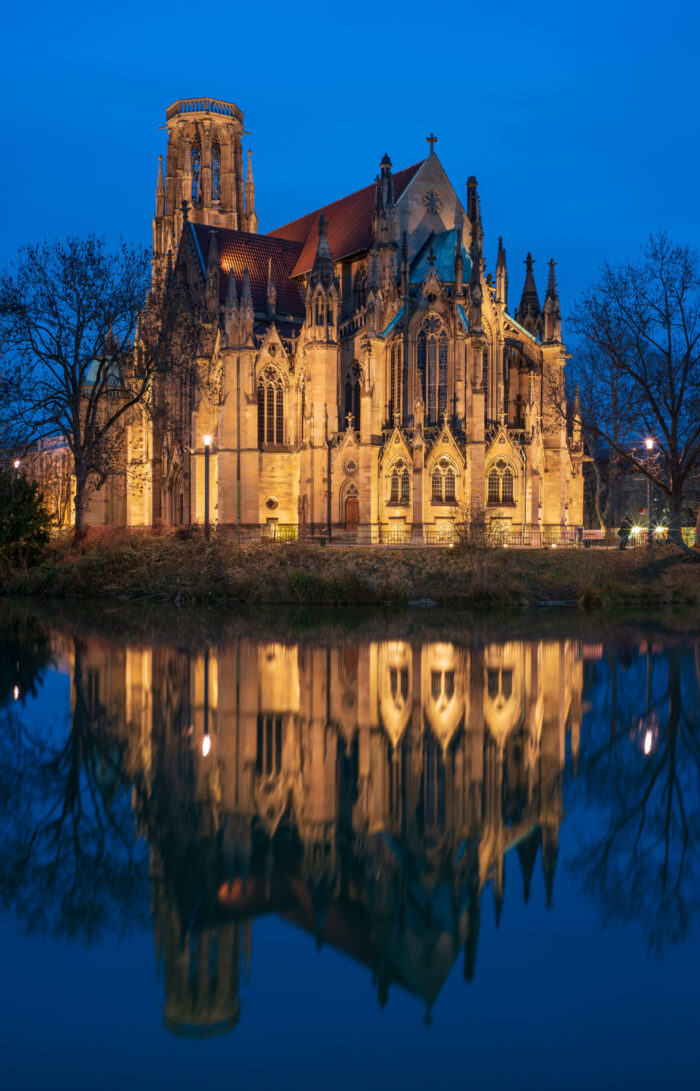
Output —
<point x="25" y="522"/>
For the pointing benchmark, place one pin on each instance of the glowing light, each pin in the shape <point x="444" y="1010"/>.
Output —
<point x="649" y="444"/>
<point x="452" y="545"/>
<point x="554" y="545"/>
<point x="648" y="741"/>
<point x="206" y="745"/>
<point x="207" y="441"/>
<point x="17" y="463"/>
<point x="635" y="530"/>
<point x="15" y="693"/>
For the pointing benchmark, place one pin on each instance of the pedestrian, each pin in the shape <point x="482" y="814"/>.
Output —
<point x="625" y="531"/>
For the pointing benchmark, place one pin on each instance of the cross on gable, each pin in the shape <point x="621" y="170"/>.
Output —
<point x="432" y="139"/>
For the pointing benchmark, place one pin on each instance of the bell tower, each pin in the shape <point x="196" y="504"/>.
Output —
<point x="204" y="167"/>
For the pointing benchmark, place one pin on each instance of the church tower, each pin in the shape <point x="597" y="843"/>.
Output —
<point x="204" y="167"/>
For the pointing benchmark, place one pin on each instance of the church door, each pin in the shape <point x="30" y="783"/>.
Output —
<point x="352" y="512"/>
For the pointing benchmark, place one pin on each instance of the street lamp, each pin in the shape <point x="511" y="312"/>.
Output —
<point x="649" y="444"/>
<point x="207" y="449"/>
<point x="17" y="463"/>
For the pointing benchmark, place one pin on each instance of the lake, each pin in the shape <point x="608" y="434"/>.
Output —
<point x="330" y="850"/>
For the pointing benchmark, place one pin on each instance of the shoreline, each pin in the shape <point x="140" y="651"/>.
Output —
<point x="187" y="571"/>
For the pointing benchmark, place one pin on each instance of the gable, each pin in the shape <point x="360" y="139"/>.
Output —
<point x="430" y="205"/>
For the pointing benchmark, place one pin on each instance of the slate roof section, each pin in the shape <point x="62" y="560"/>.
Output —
<point x="241" y="249"/>
<point x="349" y="223"/>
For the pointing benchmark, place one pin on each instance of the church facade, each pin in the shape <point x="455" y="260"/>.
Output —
<point x="366" y="377"/>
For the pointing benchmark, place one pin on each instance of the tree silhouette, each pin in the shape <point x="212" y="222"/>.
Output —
<point x="69" y="859"/>
<point x="639" y="774"/>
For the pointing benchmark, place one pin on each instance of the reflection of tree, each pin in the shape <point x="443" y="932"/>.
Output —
<point x="68" y="858"/>
<point x="25" y="653"/>
<point x="641" y="771"/>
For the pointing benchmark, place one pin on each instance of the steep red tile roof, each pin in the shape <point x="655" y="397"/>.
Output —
<point x="240" y="249"/>
<point x="349" y="223"/>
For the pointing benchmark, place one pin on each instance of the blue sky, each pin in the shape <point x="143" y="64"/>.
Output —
<point x="580" y="121"/>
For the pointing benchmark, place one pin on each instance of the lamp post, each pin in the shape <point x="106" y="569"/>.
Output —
<point x="207" y="449"/>
<point x="649" y="444"/>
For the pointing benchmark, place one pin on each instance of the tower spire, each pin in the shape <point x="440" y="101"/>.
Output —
<point x="246" y="308"/>
<point x="529" y="313"/>
<point x="232" y="315"/>
<point x="322" y="272"/>
<point x="501" y="274"/>
<point x="251" y="216"/>
<point x="271" y="289"/>
<point x="552" y="313"/>
<point x="160" y="190"/>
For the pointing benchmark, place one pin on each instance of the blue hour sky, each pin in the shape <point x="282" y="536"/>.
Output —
<point x="580" y="121"/>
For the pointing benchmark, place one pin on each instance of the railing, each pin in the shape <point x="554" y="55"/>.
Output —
<point x="476" y="535"/>
<point x="203" y="106"/>
<point x="351" y="325"/>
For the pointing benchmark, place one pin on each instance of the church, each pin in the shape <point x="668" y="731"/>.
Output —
<point x="370" y="380"/>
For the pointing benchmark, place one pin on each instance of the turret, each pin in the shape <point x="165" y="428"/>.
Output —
<point x="552" y="313"/>
<point x="322" y="291"/>
<point x="251" y="216"/>
<point x="501" y="275"/>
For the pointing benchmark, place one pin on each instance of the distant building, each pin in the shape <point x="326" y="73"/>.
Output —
<point x="369" y="374"/>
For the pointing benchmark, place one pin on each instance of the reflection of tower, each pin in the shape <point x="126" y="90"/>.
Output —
<point x="201" y="978"/>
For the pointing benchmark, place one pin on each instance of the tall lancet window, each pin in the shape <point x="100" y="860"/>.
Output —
<point x="353" y="395"/>
<point x="270" y="408"/>
<point x="432" y="368"/>
<point x="196" y="161"/>
<point x="395" y="375"/>
<point x="216" y="171"/>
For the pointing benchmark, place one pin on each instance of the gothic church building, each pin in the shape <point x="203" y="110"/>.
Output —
<point x="372" y="381"/>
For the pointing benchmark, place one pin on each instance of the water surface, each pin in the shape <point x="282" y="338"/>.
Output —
<point x="319" y="851"/>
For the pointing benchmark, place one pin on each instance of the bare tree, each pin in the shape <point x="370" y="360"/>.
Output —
<point x="638" y="366"/>
<point x="83" y="335"/>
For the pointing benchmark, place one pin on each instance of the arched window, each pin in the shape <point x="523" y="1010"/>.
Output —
<point x="216" y="171"/>
<point x="319" y="311"/>
<point x="196" y="166"/>
<point x="302" y="427"/>
<point x="432" y="359"/>
<point x="405" y="487"/>
<point x="501" y="484"/>
<point x="443" y="483"/>
<point x="270" y="408"/>
<point x="400" y="484"/>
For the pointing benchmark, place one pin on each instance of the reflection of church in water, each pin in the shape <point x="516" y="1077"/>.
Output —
<point x="366" y="793"/>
